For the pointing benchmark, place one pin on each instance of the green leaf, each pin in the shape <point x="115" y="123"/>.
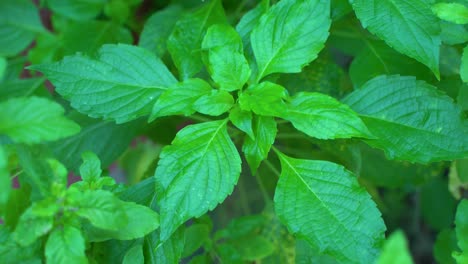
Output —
<point x="411" y="119"/>
<point x="121" y="84"/>
<point x="323" y="203"/>
<point x="324" y="117"/>
<point x="65" y="245"/>
<point x="256" y="150"/>
<point x="254" y="248"/>
<point x="248" y="21"/>
<point x="102" y="209"/>
<point x="3" y="67"/>
<point x="33" y="120"/>
<point x="408" y="26"/>
<point x="395" y="250"/>
<point x="19" y="87"/>
<point x="167" y="252"/>
<point x="242" y="120"/>
<point x="77" y="9"/>
<point x="19" y="25"/>
<point x="184" y="43"/>
<point x="453" y="34"/>
<point x="179" y="99"/>
<point x="453" y="12"/>
<point x="290" y="35"/>
<point x="134" y="256"/>
<point x="265" y="99"/>
<point x="464" y="65"/>
<point x="195" y="173"/>
<point x="104" y="138"/>
<point x="5" y="181"/>
<point x="215" y="103"/>
<point x="157" y="29"/>
<point x="437" y="204"/>
<point x="90" y="170"/>
<point x="32" y="226"/>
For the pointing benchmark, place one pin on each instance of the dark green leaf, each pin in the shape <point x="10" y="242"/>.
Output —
<point x="180" y="98"/>
<point x="157" y="29"/>
<point x="250" y="20"/>
<point x="77" y="9"/>
<point x="290" y="35"/>
<point x="195" y="173"/>
<point x="34" y="120"/>
<point x="411" y="119"/>
<point x="323" y="203"/>
<point x="19" y="87"/>
<point x="121" y="84"/>
<point x="256" y="150"/>
<point x="184" y="43"/>
<point x="65" y="245"/>
<point x="445" y="244"/>
<point x="324" y="117"/>
<point x="461" y="229"/>
<point x="195" y="236"/>
<point x="167" y="252"/>
<point x="134" y="256"/>
<point x="19" y="24"/>
<point x="437" y="204"/>
<point x="215" y="103"/>
<point x="464" y="65"/>
<point x="5" y="181"/>
<point x="408" y="26"/>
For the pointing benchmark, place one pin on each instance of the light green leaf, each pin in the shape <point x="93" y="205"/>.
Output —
<point x="242" y="120"/>
<point x="33" y="120"/>
<point x="265" y="99"/>
<point x="290" y="35"/>
<point x="122" y="84"/>
<point x="157" y="29"/>
<point x="215" y="103"/>
<point x="66" y="245"/>
<point x="5" y="181"/>
<point x="32" y="226"/>
<point x="464" y="65"/>
<point x="180" y="98"/>
<point x="19" y="25"/>
<point x="141" y="220"/>
<point x="323" y="203"/>
<point x="90" y="170"/>
<point x="461" y="228"/>
<point x="77" y="9"/>
<point x="248" y="21"/>
<point x="226" y="62"/>
<point x="195" y="173"/>
<point x="395" y="250"/>
<point x="324" y="117"/>
<point x="411" y="119"/>
<point x="453" y="12"/>
<point x="184" y="43"/>
<point x="102" y="209"/>
<point x="134" y="256"/>
<point x="222" y="36"/>
<point x="408" y="26"/>
<point x="104" y="138"/>
<point x="256" y="150"/>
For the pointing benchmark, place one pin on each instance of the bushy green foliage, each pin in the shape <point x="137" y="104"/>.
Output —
<point x="222" y="131"/>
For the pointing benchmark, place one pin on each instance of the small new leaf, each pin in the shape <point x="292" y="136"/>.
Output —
<point x="179" y="99"/>
<point x="256" y="150"/>
<point x="452" y="12"/>
<point x="195" y="173"/>
<point x="242" y="120"/>
<point x="90" y="170"/>
<point x="34" y="120"/>
<point x="395" y="250"/>
<point x="215" y="103"/>
<point x="264" y="99"/>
